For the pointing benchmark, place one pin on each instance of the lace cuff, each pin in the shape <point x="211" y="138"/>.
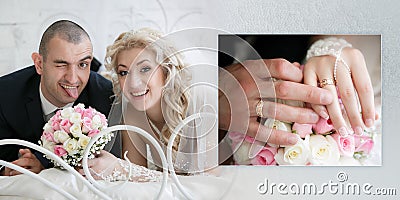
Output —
<point x="328" y="46"/>
<point x="125" y="170"/>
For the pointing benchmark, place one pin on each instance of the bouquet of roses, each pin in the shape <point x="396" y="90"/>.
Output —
<point x="69" y="131"/>
<point x="318" y="144"/>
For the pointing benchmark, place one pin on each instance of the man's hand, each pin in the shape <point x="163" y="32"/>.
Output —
<point x="242" y="86"/>
<point x="28" y="161"/>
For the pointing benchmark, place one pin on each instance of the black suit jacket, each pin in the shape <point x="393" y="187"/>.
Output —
<point x="21" y="115"/>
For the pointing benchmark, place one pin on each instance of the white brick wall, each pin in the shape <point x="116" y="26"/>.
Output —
<point x="23" y="22"/>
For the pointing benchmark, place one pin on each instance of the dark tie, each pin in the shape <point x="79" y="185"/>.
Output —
<point x="48" y="116"/>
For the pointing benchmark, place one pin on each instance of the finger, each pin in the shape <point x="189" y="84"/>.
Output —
<point x="24" y="151"/>
<point x="296" y="64"/>
<point x="320" y="110"/>
<point x="28" y="154"/>
<point x="23" y="162"/>
<point x="301" y="92"/>
<point x="287" y="113"/>
<point x="348" y="96"/>
<point x="283" y="69"/>
<point x="362" y="83"/>
<point x="15" y="172"/>
<point x="80" y="171"/>
<point x="335" y="113"/>
<point x="264" y="134"/>
<point x="7" y="171"/>
<point x="310" y="78"/>
<point x="91" y="162"/>
<point x="264" y="89"/>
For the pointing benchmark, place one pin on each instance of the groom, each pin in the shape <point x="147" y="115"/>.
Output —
<point x="60" y="78"/>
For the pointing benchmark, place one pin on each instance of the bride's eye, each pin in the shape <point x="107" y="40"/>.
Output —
<point x="145" y="69"/>
<point x="123" y="73"/>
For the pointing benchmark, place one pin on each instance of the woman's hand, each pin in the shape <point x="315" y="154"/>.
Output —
<point x="353" y="86"/>
<point x="102" y="165"/>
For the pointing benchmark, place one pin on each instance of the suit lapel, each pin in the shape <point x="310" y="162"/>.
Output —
<point x="83" y="98"/>
<point x="34" y="108"/>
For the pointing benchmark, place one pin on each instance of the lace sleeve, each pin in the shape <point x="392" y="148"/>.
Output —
<point x="124" y="170"/>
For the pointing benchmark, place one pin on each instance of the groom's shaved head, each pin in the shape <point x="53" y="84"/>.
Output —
<point x="64" y="29"/>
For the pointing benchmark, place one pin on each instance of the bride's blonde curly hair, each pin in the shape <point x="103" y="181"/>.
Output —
<point x="175" y="95"/>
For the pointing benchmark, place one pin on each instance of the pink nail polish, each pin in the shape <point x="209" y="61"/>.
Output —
<point x="358" y="130"/>
<point x="369" y="122"/>
<point x="324" y="115"/>
<point x="343" y="131"/>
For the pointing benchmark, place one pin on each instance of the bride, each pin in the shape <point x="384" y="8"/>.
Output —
<point x="154" y="91"/>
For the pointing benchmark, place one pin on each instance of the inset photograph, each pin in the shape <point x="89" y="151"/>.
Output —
<point x="300" y="100"/>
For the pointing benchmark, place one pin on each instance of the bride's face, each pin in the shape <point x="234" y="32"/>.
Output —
<point x="141" y="79"/>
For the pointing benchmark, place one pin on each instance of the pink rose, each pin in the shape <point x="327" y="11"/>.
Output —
<point x="59" y="150"/>
<point x="88" y="113"/>
<point x="55" y="124"/>
<point x="93" y="132"/>
<point x="323" y="126"/>
<point x="65" y="124"/>
<point x="302" y="129"/>
<point x="363" y="143"/>
<point x="103" y="119"/>
<point x="56" y="117"/>
<point x="78" y="109"/>
<point x="346" y="144"/>
<point x="265" y="156"/>
<point x="48" y="136"/>
<point x="87" y="125"/>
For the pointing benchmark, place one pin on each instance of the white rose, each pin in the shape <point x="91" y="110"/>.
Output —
<point x="81" y="106"/>
<point x="66" y="113"/>
<point x="324" y="150"/>
<point x="96" y="122"/>
<point x="61" y="136"/>
<point x="241" y="155"/>
<point x="75" y="118"/>
<point x="297" y="154"/>
<point x="278" y="125"/>
<point x="71" y="145"/>
<point x="83" y="141"/>
<point x="48" y="128"/>
<point x="47" y="144"/>
<point x="76" y="130"/>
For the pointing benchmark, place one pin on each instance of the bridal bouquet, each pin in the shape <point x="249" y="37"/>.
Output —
<point x="318" y="144"/>
<point x="69" y="131"/>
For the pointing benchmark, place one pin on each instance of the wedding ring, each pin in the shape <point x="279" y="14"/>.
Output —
<point x="259" y="108"/>
<point x="325" y="82"/>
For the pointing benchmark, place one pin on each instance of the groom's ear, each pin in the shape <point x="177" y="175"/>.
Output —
<point x="38" y="61"/>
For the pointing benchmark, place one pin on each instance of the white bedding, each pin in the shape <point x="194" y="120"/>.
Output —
<point x="25" y="187"/>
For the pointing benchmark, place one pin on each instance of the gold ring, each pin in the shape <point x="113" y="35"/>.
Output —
<point x="259" y="108"/>
<point x="325" y="82"/>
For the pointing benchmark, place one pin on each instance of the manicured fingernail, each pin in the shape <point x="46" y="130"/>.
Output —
<point x="292" y="140"/>
<point x="314" y="117"/>
<point x="324" y="114"/>
<point x="358" y="130"/>
<point x="369" y="122"/>
<point x="325" y="99"/>
<point x="343" y="132"/>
